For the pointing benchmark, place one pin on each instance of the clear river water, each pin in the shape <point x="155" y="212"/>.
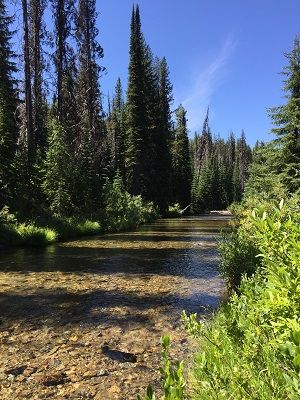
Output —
<point x="83" y="319"/>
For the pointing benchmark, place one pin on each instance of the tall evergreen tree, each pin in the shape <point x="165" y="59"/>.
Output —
<point x="37" y="34"/>
<point x="230" y="157"/>
<point x="243" y="158"/>
<point x="88" y="97"/>
<point x="203" y="170"/>
<point x="287" y="120"/>
<point x="28" y="123"/>
<point x="181" y="160"/>
<point x="163" y="159"/>
<point x="116" y="127"/>
<point x="8" y="128"/>
<point x="59" y="171"/>
<point x="65" y="68"/>
<point x="136" y="108"/>
<point x="90" y="52"/>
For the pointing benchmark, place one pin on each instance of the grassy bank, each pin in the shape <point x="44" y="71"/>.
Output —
<point x="41" y="233"/>
<point x="122" y="212"/>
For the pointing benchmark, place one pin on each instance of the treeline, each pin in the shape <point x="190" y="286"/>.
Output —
<point x="220" y="170"/>
<point x="59" y="149"/>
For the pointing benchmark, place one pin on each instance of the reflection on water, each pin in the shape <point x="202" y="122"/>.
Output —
<point x="130" y="287"/>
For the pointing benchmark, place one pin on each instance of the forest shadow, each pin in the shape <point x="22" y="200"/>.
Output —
<point x="186" y="262"/>
<point x="58" y="307"/>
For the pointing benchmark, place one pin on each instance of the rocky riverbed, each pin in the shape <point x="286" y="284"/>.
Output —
<point x="83" y="319"/>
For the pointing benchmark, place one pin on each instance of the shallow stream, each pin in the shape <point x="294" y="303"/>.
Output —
<point x="83" y="319"/>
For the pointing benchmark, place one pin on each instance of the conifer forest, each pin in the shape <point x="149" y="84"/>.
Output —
<point x="61" y="145"/>
<point x="195" y="233"/>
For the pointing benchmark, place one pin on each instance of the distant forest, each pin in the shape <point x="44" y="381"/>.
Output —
<point x="59" y="148"/>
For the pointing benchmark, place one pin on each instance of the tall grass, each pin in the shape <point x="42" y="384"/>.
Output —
<point x="43" y="231"/>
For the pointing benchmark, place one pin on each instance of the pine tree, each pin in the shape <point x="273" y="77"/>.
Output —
<point x="90" y="52"/>
<point x="28" y="122"/>
<point x="116" y="127"/>
<point x="58" y="172"/>
<point x="37" y="34"/>
<point x="8" y="103"/>
<point x="230" y="157"/>
<point x="163" y="160"/>
<point x="264" y="179"/>
<point x="203" y="170"/>
<point x="287" y="120"/>
<point x="65" y="69"/>
<point x="181" y="160"/>
<point x="147" y="147"/>
<point x="136" y="109"/>
<point x="88" y="97"/>
<point x="243" y="158"/>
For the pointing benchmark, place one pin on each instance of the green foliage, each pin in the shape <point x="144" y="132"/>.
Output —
<point x="251" y="348"/>
<point x="58" y="172"/>
<point x="68" y="228"/>
<point x="220" y="170"/>
<point x="172" y="376"/>
<point x="8" y="104"/>
<point x="174" y="211"/>
<point x="264" y="176"/>
<point x="43" y="231"/>
<point x="287" y="121"/>
<point x="32" y="235"/>
<point x="182" y="173"/>
<point x="13" y="233"/>
<point x="238" y="251"/>
<point x="6" y="217"/>
<point x="123" y="211"/>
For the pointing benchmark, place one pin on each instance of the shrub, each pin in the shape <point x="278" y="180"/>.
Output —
<point x="174" y="211"/>
<point x="172" y="376"/>
<point x="123" y="211"/>
<point x="251" y="348"/>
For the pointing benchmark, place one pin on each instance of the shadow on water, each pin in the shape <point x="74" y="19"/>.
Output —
<point x="166" y="266"/>
<point x="190" y="263"/>
<point x="56" y="307"/>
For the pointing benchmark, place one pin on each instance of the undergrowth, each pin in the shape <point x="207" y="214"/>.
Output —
<point x="251" y="348"/>
<point x="121" y="212"/>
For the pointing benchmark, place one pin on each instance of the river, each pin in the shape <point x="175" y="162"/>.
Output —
<point x="83" y="319"/>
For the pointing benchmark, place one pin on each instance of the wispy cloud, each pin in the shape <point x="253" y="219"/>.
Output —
<point x="204" y="83"/>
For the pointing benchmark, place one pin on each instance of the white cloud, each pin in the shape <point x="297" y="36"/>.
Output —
<point x="199" y="93"/>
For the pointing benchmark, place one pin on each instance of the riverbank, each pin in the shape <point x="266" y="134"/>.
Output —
<point x="251" y="348"/>
<point x="45" y="230"/>
<point x="33" y="234"/>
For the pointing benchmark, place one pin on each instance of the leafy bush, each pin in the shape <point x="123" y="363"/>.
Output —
<point x="172" y="376"/>
<point x="43" y="231"/>
<point x="238" y="256"/>
<point x="251" y="348"/>
<point x="123" y="211"/>
<point x="6" y="217"/>
<point x="174" y="211"/>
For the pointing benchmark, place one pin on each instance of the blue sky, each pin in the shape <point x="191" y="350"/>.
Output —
<point x="223" y="54"/>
